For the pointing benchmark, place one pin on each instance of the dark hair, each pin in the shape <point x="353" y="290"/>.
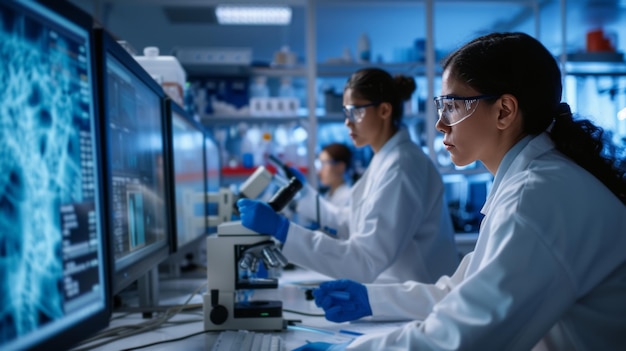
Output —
<point x="518" y="64"/>
<point x="341" y="153"/>
<point x="377" y="85"/>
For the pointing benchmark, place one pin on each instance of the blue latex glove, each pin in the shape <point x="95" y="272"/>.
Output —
<point x="321" y="346"/>
<point x="299" y="175"/>
<point x="260" y="217"/>
<point x="343" y="300"/>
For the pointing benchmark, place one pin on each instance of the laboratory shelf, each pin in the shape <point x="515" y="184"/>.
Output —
<point x="229" y="119"/>
<point x="596" y="68"/>
<point x="247" y="171"/>
<point x="346" y="69"/>
<point x="321" y="118"/>
<point x="343" y="69"/>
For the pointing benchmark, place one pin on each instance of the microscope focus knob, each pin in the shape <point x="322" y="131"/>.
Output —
<point x="219" y="313"/>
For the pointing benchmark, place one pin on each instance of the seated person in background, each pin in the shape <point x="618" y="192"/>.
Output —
<point x="333" y="171"/>
<point x="333" y="167"/>
<point x="549" y="268"/>
<point x="396" y="226"/>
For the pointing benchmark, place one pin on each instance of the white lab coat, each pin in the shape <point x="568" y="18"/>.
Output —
<point x="395" y="228"/>
<point x="548" y="271"/>
<point x="340" y="197"/>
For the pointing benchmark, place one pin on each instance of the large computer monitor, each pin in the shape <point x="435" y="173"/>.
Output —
<point x="134" y="126"/>
<point x="54" y="268"/>
<point x="188" y="174"/>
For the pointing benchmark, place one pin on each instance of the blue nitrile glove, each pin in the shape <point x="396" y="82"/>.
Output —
<point x="260" y="217"/>
<point x="299" y="175"/>
<point x="322" y="346"/>
<point x="343" y="300"/>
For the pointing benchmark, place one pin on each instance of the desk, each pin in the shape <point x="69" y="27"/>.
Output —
<point x="177" y="291"/>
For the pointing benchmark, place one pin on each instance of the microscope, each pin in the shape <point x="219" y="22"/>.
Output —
<point x="234" y="257"/>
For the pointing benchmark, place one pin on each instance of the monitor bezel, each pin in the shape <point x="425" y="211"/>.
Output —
<point x="99" y="319"/>
<point x="192" y="244"/>
<point x="207" y="176"/>
<point x="123" y="277"/>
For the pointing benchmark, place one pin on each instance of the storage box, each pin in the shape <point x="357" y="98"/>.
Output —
<point x="216" y="56"/>
<point x="167" y="71"/>
<point x="274" y="106"/>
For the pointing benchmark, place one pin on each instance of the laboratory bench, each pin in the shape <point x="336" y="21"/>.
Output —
<point x="185" y="329"/>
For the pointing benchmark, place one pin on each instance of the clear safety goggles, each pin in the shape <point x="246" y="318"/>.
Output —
<point x="453" y="110"/>
<point x="355" y="113"/>
<point x="319" y="163"/>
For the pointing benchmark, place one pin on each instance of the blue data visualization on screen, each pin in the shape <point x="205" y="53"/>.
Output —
<point x="53" y="266"/>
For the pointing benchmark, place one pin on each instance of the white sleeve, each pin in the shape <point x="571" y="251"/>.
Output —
<point x="370" y="251"/>
<point x="412" y="300"/>
<point x="334" y="219"/>
<point x="314" y="207"/>
<point x="306" y="206"/>
<point x="493" y="308"/>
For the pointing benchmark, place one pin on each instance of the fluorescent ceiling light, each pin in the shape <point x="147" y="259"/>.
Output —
<point x="264" y="15"/>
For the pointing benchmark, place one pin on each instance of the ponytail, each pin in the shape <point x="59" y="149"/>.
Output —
<point x="584" y="142"/>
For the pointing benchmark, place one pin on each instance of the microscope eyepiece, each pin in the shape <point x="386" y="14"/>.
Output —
<point x="285" y="194"/>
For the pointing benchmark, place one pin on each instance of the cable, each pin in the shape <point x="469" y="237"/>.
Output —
<point x="132" y="310"/>
<point x="165" y="341"/>
<point x="122" y="332"/>
<point x="304" y="313"/>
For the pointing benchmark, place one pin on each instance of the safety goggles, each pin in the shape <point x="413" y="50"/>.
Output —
<point x="319" y="163"/>
<point x="355" y="113"/>
<point x="453" y="110"/>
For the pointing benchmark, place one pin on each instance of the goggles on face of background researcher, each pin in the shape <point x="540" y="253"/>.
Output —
<point x="355" y="113"/>
<point x="319" y="163"/>
<point x="453" y="110"/>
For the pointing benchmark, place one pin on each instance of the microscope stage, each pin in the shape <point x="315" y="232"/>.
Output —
<point x="258" y="309"/>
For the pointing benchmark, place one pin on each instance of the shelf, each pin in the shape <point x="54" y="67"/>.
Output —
<point x="334" y="117"/>
<point x="597" y="68"/>
<point x="346" y="69"/>
<point x="323" y="69"/>
<point x="226" y="119"/>
<point x="245" y="172"/>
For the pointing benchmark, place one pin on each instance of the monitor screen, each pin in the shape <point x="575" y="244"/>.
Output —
<point x="133" y="110"/>
<point x="213" y="176"/>
<point x="54" y="264"/>
<point x="187" y="144"/>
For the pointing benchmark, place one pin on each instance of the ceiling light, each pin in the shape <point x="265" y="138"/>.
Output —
<point x="262" y="15"/>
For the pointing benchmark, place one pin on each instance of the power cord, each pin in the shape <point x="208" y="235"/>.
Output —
<point x="166" y="341"/>
<point x="304" y="313"/>
<point x="125" y="331"/>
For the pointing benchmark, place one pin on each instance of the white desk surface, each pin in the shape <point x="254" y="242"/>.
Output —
<point x="177" y="291"/>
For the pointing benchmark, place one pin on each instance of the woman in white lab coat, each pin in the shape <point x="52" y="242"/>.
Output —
<point x="397" y="226"/>
<point x="549" y="268"/>
<point x="333" y="169"/>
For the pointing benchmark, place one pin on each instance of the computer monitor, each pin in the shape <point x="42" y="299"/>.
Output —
<point x="54" y="268"/>
<point x="213" y="173"/>
<point x="188" y="174"/>
<point x="134" y="126"/>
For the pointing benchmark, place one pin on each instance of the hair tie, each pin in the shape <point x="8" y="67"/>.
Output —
<point x="564" y="111"/>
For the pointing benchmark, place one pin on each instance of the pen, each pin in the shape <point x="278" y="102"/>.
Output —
<point x="340" y="295"/>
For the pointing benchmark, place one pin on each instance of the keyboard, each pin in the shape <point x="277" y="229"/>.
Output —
<point x="243" y="340"/>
